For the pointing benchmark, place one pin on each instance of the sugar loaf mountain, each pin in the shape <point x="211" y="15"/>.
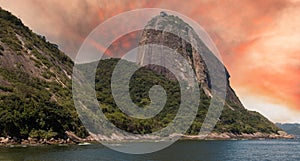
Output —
<point x="36" y="104"/>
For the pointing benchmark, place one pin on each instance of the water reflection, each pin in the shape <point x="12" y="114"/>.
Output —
<point x="182" y="150"/>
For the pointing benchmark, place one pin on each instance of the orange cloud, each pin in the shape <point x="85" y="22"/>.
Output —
<point x="270" y="63"/>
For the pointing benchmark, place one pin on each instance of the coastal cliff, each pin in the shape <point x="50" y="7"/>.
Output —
<point x="36" y="104"/>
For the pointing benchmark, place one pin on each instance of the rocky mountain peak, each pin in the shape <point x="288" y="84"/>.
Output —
<point x="171" y="32"/>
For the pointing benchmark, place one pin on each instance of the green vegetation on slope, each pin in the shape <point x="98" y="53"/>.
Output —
<point x="35" y="92"/>
<point x="30" y="107"/>
<point x="235" y="121"/>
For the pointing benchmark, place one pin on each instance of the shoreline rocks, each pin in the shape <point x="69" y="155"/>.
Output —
<point x="73" y="139"/>
<point x="211" y="136"/>
<point x="70" y="139"/>
<point x="34" y="141"/>
<point x="228" y="136"/>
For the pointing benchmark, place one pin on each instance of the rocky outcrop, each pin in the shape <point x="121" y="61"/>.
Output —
<point x="257" y="135"/>
<point x="34" y="141"/>
<point x="72" y="138"/>
<point x="211" y="136"/>
<point x="172" y="32"/>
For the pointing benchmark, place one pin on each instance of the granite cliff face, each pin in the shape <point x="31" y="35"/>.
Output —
<point x="171" y="31"/>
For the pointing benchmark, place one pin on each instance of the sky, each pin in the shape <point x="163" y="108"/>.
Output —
<point x="258" y="40"/>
